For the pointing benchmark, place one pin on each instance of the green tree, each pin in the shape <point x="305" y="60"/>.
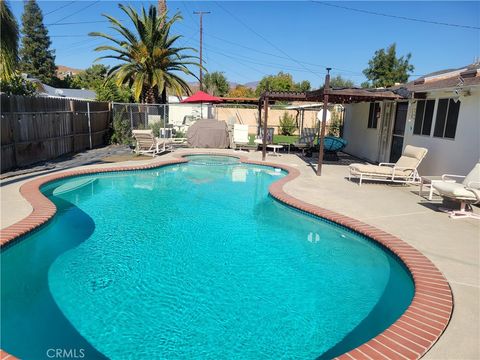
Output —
<point x="18" y="85"/>
<point x="242" y="91"/>
<point x="8" y="42"/>
<point x="95" y="78"/>
<point x="36" y="57"/>
<point x="339" y="82"/>
<point x="91" y="77"/>
<point x="365" y="85"/>
<point x="150" y="60"/>
<point x="385" y="69"/>
<point x="302" y="86"/>
<point x="110" y="91"/>
<point x="280" y="82"/>
<point x="216" y="84"/>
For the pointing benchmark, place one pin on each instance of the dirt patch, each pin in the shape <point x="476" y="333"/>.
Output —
<point x="125" y="157"/>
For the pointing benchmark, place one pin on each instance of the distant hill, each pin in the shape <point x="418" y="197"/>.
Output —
<point x="252" y="85"/>
<point x="63" y="71"/>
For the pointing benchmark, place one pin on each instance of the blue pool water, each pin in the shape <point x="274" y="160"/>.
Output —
<point x="193" y="261"/>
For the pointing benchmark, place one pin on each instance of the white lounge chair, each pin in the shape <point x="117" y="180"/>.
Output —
<point x="240" y="137"/>
<point x="147" y="143"/>
<point x="467" y="192"/>
<point x="403" y="171"/>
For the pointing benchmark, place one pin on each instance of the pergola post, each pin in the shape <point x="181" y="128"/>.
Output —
<point x="265" y="119"/>
<point x="259" y="116"/>
<point x="324" y="121"/>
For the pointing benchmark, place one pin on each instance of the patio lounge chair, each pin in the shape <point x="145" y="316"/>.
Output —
<point x="467" y="192"/>
<point x="306" y="140"/>
<point x="147" y="143"/>
<point x="403" y="171"/>
<point x="240" y="138"/>
<point x="259" y="139"/>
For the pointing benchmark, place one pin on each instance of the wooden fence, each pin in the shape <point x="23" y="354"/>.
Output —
<point x="36" y="129"/>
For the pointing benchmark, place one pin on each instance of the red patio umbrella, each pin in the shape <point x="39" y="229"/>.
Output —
<point x="202" y="97"/>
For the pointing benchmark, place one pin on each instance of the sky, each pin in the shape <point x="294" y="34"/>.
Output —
<point x="250" y="39"/>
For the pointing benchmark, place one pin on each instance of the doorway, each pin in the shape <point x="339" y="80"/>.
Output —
<point x="398" y="131"/>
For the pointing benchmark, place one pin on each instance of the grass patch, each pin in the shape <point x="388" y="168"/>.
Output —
<point x="289" y="139"/>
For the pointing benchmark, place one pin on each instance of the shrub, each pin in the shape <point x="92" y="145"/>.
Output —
<point x="18" y="85"/>
<point x="121" y="132"/>
<point x="287" y="124"/>
<point x="335" y="124"/>
<point x="179" y="134"/>
<point x="156" y="126"/>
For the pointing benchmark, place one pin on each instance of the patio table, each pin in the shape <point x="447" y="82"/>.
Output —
<point x="275" y="148"/>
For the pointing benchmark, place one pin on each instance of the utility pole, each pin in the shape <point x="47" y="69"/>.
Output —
<point x="201" y="13"/>
<point x="162" y="8"/>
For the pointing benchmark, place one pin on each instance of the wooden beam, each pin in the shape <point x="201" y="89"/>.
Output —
<point x="324" y="122"/>
<point x="259" y="117"/>
<point x="265" y="119"/>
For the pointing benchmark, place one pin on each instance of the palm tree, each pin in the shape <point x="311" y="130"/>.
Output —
<point x="8" y="41"/>
<point x="150" y="62"/>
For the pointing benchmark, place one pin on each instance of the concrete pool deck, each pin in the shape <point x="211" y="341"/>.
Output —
<point x="452" y="245"/>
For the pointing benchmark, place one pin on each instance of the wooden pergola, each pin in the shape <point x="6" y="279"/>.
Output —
<point x="326" y="95"/>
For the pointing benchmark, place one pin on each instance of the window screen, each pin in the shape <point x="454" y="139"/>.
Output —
<point x="447" y="118"/>
<point x="424" y="117"/>
<point x="373" y="115"/>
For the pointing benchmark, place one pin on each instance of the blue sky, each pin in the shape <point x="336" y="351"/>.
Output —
<point x="249" y="39"/>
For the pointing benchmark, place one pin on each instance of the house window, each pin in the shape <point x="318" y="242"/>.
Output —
<point x="373" y="115"/>
<point x="447" y="117"/>
<point x="424" y="117"/>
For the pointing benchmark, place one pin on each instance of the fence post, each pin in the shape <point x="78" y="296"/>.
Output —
<point x="89" y="125"/>
<point x="146" y="116"/>
<point x="131" y="118"/>
<point x="13" y="134"/>
<point x="74" y="129"/>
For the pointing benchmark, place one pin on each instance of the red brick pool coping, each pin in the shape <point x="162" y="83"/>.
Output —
<point x="410" y="337"/>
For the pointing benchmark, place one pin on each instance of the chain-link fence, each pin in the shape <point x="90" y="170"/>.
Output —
<point x="174" y="119"/>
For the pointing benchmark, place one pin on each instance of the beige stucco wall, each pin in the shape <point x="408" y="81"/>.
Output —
<point x="362" y="141"/>
<point x="250" y="117"/>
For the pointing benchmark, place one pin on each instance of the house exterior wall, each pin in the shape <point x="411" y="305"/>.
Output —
<point x="452" y="156"/>
<point x="362" y="141"/>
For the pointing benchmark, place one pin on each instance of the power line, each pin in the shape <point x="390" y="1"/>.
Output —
<point x="62" y="36"/>
<point x="396" y="16"/>
<point x="352" y="73"/>
<point x="59" y="8"/>
<point x="75" y="13"/>
<point x="266" y="40"/>
<point x="79" y="22"/>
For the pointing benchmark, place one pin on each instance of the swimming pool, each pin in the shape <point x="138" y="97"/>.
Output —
<point x="193" y="260"/>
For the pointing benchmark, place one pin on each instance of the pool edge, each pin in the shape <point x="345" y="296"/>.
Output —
<point x="410" y="337"/>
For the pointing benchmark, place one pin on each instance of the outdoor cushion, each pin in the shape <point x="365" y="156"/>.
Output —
<point x="411" y="157"/>
<point x="414" y="152"/>
<point x="454" y="190"/>
<point x="378" y="170"/>
<point x="473" y="176"/>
